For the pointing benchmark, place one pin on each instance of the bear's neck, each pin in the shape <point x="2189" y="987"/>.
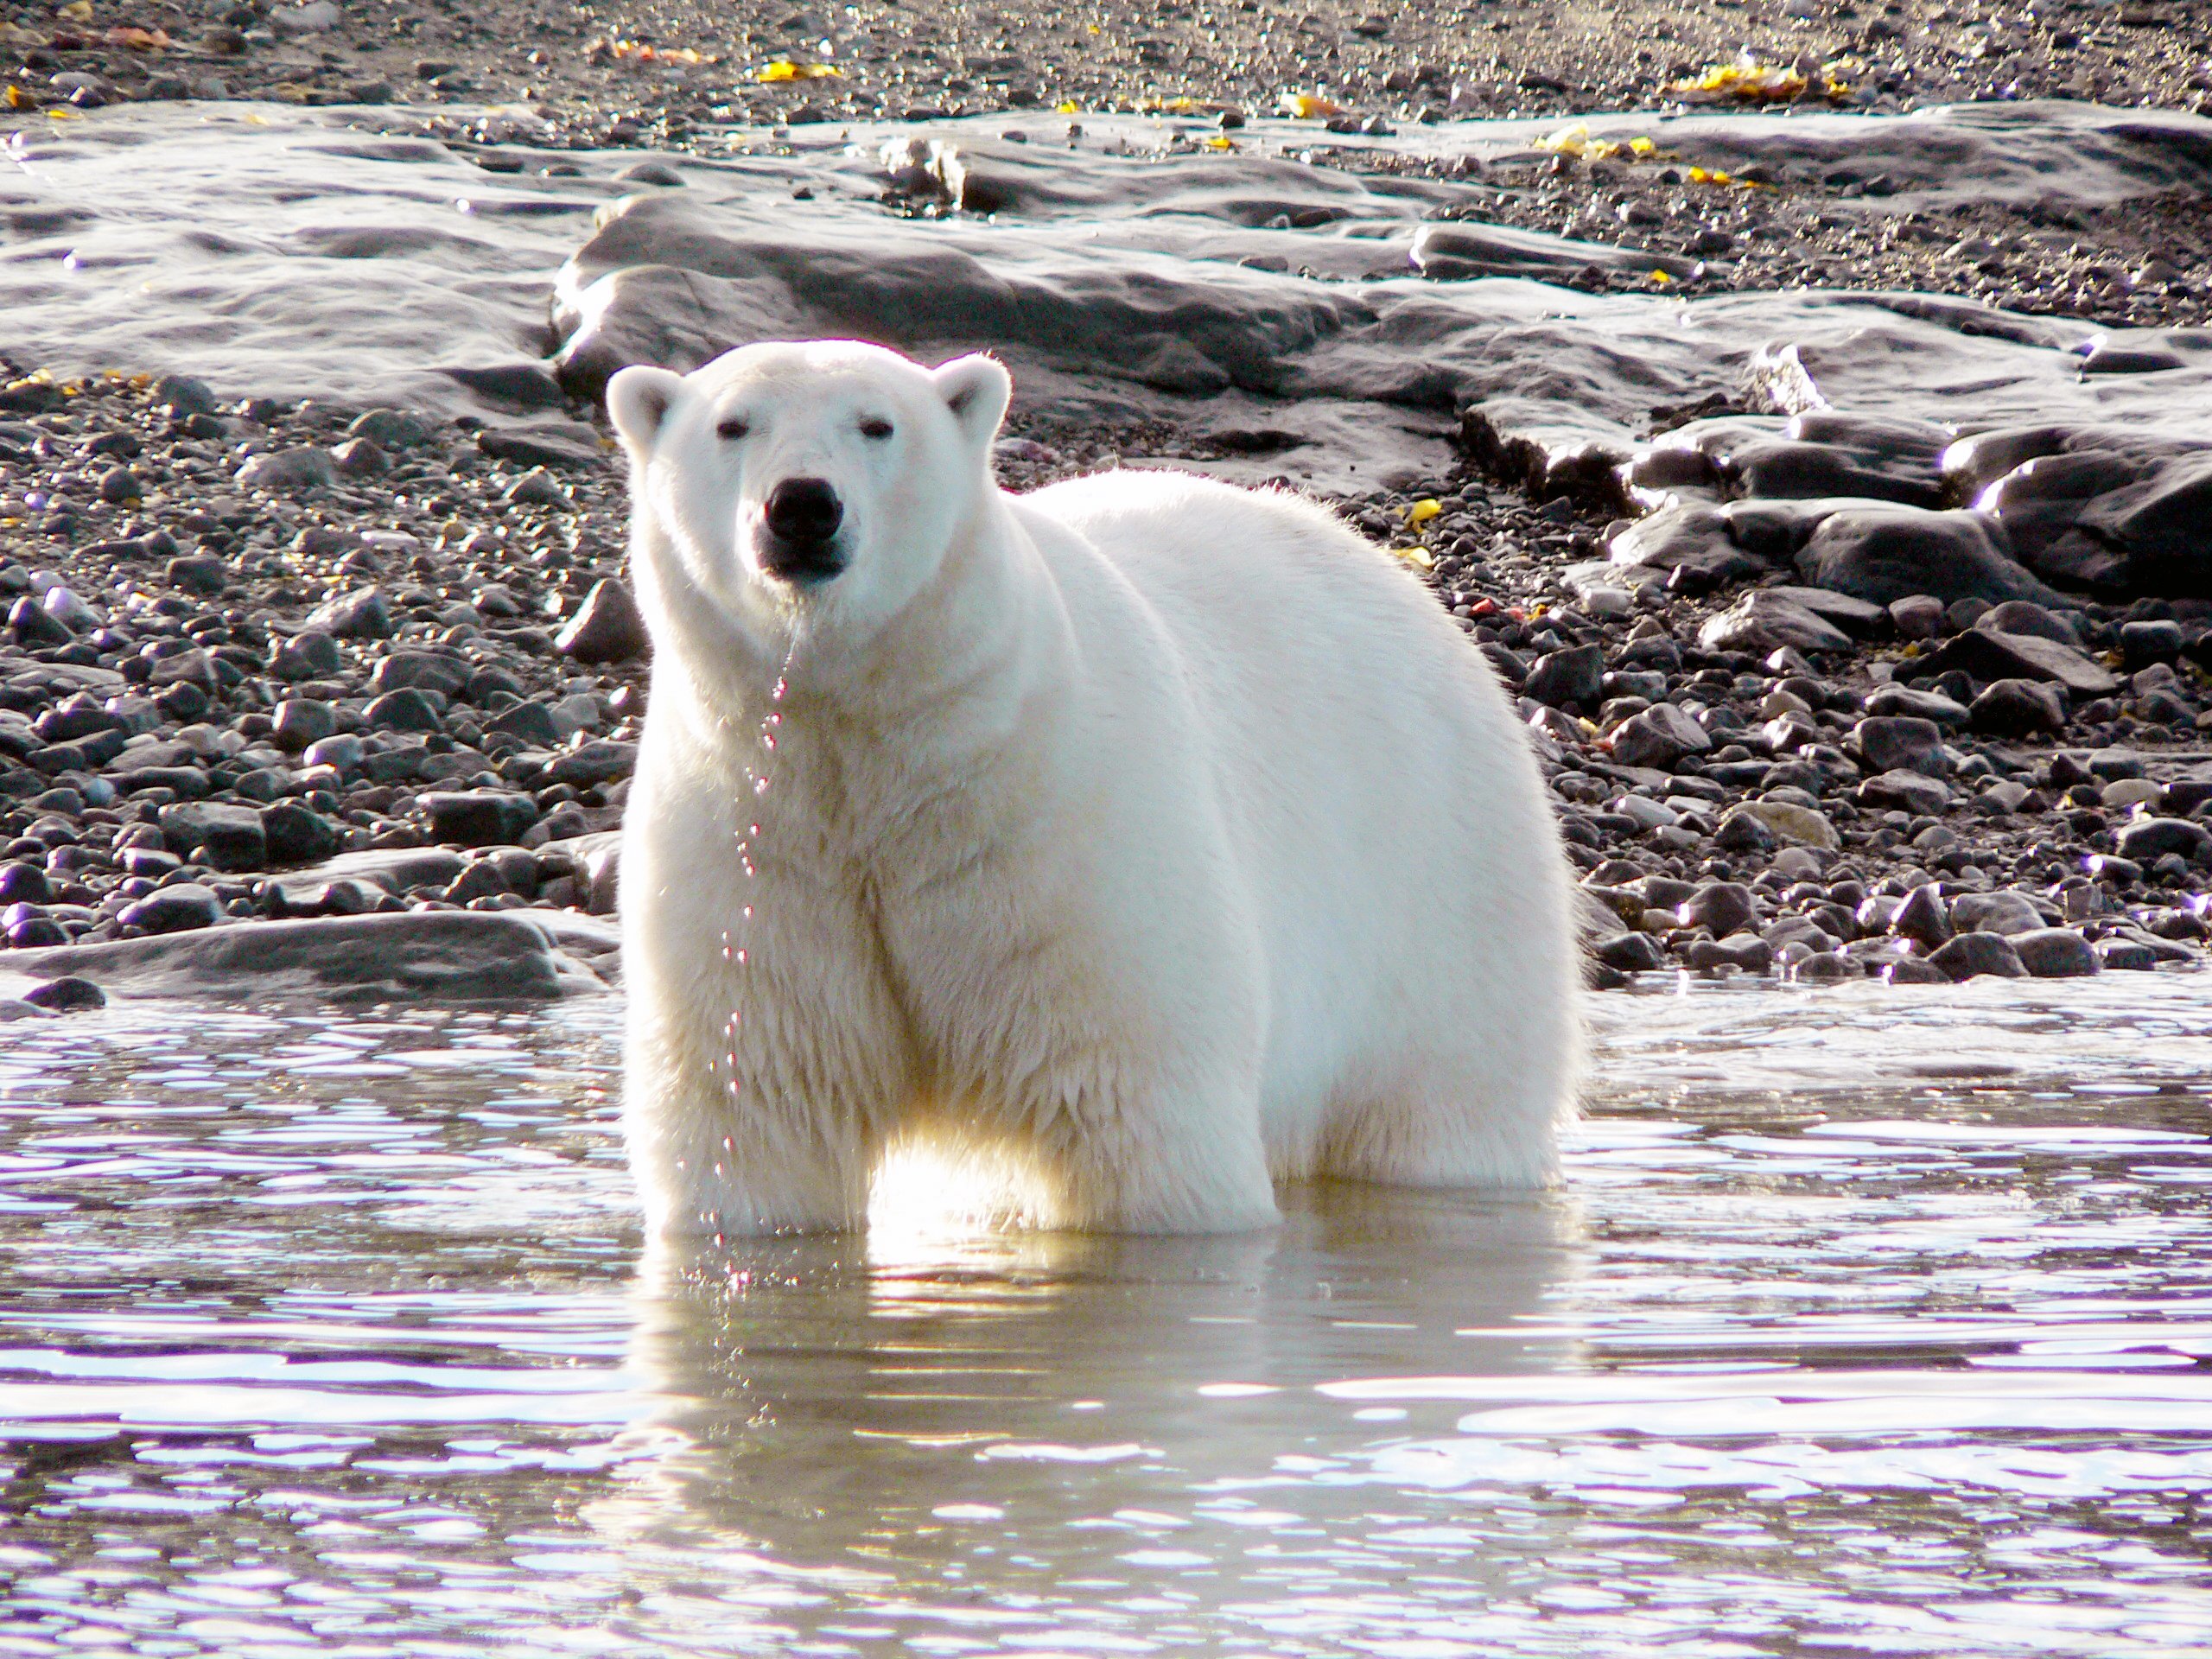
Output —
<point x="915" y="739"/>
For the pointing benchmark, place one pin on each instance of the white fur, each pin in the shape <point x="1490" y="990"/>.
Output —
<point x="1146" y="838"/>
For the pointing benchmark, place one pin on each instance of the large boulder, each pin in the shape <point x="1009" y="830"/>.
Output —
<point x="1882" y="554"/>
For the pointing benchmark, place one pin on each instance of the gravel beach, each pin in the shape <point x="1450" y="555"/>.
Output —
<point x="271" y="660"/>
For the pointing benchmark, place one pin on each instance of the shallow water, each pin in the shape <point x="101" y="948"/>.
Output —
<point x="1865" y="1323"/>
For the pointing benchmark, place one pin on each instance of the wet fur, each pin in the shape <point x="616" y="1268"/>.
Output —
<point x="1147" y="839"/>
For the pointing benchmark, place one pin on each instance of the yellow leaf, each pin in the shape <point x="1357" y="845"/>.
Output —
<point x="1641" y="146"/>
<point x="1423" y="510"/>
<point x="63" y="115"/>
<point x="1417" y="555"/>
<point x="1069" y="108"/>
<point x="17" y="99"/>
<point x="1662" y="278"/>
<point x="1309" y="106"/>
<point x="783" y="69"/>
<point x="1221" y="140"/>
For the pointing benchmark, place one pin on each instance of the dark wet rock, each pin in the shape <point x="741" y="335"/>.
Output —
<point x="1723" y="906"/>
<point x="1973" y="955"/>
<point x="1659" y="737"/>
<point x="1912" y="970"/>
<point x="1631" y="953"/>
<point x="181" y="395"/>
<point x="2056" y="953"/>
<point x="1884" y="553"/>
<point x="359" y="458"/>
<point x="221" y="835"/>
<point x="479" y="817"/>
<point x="2143" y="644"/>
<point x="33" y="627"/>
<point x="405" y="710"/>
<point x="603" y="761"/>
<point x="1762" y="621"/>
<point x="2019" y="708"/>
<point x="181" y="908"/>
<point x="1783" y="468"/>
<point x="2001" y="912"/>
<point x="362" y="614"/>
<point x="607" y="627"/>
<point x="294" y="834"/>
<point x="1982" y="654"/>
<point x="531" y="722"/>
<point x="300" y="722"/>
<point x="2146" y="840"/>
<point x="1923" y="918"/>
<point x="199" y="573"/>
<point x="1902" y="742"/>
<point x="309" y="655"/>
<point x="416" y="956"/>
<point x="24" y="883"/>
<point x="1572" y="679"/>
<point x="1746" y="952"/>
<point x="2163" y="528"/>
<point x="66" y="996"/>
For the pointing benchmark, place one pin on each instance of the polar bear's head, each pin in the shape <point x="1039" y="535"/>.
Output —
<point x="826" y="481"/>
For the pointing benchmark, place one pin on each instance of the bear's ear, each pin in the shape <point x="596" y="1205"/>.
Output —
<point x="975" y="390"/>
<point x="638" y="400"/>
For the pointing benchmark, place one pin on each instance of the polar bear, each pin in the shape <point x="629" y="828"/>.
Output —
<point x="1144" y="839"/>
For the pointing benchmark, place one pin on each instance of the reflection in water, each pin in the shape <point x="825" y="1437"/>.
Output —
<point x="1867" y="1324"/>
<point x="1107" y="1411"/>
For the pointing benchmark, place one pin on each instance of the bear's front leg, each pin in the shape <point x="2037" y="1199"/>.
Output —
<point x="709" y="1163"/>
<point x="1187" y="1160"/>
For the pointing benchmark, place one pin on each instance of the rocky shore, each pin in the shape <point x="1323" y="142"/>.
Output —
<point x="263" y="663"/>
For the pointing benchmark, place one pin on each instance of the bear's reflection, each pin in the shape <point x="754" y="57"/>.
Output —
<point x="1011" y="1414"/>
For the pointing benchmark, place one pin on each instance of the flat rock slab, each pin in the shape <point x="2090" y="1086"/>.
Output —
<point x="434" y="956"/>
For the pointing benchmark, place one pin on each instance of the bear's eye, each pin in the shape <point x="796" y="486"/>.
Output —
<point x="733" y="429"/>
<point x="875" y="427"/>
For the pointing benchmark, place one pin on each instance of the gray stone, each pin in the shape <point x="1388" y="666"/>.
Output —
<point x="1724" y="906"/>
<point x="2001" y="912"/>
<point x="607" y="627"/>
<point x="2145" y="841"/>
<point x="427" y="670"/>
<point x="1973" y="955"/>
<point x="1572" y="679"/>
<point x="219" y="834"/>
<point x="309" y="655"/>
<point x="1912" y="792"/>
<point x="1923" y="917"/>
<point x="1658" y="737"/>
<point x="1901" y="743"/>
<point x="294" y="834"/>
<point x="1887" y="700"/>
<point x="1884" y="553"/>
<point x="463" y="956"/>
<point x="181" y="908"/>
<point x="478" y="817"/>
<point x="2056" y="953"/>
<point x="2025" y="617"/>
<point x="362" y="614"/>
<point x="300" y="722"/>
<point x="2019" y="708"/>
<point x="1984" y="654"/>
<point x="1760" y="622"/>
<point x="289" y="469"/>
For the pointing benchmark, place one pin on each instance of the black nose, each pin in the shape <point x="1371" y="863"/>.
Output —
<point x="802" y="511"/>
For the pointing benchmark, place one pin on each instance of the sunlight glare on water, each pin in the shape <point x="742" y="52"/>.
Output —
<point x="1865" y="1324"/>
